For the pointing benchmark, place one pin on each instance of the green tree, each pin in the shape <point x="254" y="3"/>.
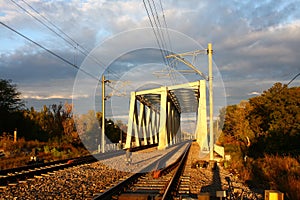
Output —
<point x="10" y="106"/>
<point x="269" y="122"/>
<point x="275" y="119"/>
<point x="14" y="115"/>
<point x="237" y="134"/>
<point x="68" y="123"/>
<point x="56" y="121"/>
<point x="9" y="97"/>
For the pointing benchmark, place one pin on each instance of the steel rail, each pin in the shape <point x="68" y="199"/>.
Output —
<point x="175" y="178"/>
<point x="24" y="172"/>
<point x="155" y="166"/>
<point x="31" y="171"/>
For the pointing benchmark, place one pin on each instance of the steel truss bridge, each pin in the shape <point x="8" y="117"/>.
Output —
<point x="155" y="114"/>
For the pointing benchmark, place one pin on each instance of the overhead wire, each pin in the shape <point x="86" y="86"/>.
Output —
<point x="170" y="71"/>
<point x="49" y="21"/>
<point x="154" y="31"/>
<point x="293" y="79"/>
<point x="166" y="26"/>
<point x="172" y="66"/>
<point x="40" y="21"/>
<point x="52" y="53"/>
<point x="165" y="46"/>
<point x="48" y="50"/>
<point x="159" y="30"/>
<point x="69" y="40"/>
<point x="159" y="35"/>
<point x="286" y="85"/>
<point x="167" y="32"/>
<point x="158" y="25"/>
<point x="77" y="47"/>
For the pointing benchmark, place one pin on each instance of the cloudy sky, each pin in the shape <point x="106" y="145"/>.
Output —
<point x="256" y="43"/>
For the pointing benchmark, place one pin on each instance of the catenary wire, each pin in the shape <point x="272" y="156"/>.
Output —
<point x="40" y="21"/>
<point x="159" y="29"/>
<point x="76" y="45"/>
<point x="158" y="25"/>
<point x="171" y="72"/>
<point x="48" y="50"/>
<point x="293" y="79"/>
<point x="154" y="31"/>
<point x="163" y="41"/>
<point x="52" y="53"/>
<point x="166" y="26"/>
<point x="158" y="36"/>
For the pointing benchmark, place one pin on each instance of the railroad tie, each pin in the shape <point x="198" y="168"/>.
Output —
<point x="133" y="197"/>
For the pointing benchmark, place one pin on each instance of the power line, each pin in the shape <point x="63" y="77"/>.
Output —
<point x="164" y="46"/>
<point x="159" y="28"/>
<point x="171" y="64"/>
<point x="60" y="30"/>
<point x="156" y="34"/>
<point x="40" y="21"/>
<point x="293" y="79"/>
<point x="274" y="95"/>
<point x="159" y="24"/>
<point x="82" y="50"/>
<point x="166" y="26"/>
<point x="75" y="45"/>
<point x="54" y="54"/>
<point x="159" y="34"/>
<point x="48" y="50"/>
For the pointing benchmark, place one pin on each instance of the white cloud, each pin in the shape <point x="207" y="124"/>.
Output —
<point x="45" y="97"/>
<point x="254" y="93"/>
<point x="255" y="43"/>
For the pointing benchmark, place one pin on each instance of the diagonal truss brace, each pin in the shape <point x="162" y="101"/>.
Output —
<point x="153" y="123"/>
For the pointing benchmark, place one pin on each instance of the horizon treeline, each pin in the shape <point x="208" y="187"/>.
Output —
<point x="52" y="122"/>
<point x="265" y="124"/>
<point x="262" y="136"/>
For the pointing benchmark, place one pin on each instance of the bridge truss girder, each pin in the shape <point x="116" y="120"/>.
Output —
<point x="158" y="118"/>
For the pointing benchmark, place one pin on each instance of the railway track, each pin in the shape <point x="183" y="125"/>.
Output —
<point x="154" y="182"/>
<point x="14" y="175"/>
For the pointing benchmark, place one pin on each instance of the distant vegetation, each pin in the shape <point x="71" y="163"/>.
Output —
<point x="262" y="135"/>
<point x="50" y="133"/>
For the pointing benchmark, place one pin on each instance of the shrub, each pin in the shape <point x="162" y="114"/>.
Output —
<point x="283" y="174"/>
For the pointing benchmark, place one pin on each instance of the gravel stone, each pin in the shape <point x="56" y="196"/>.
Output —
<point x="84" y="181"/>
<point x="208" y="180"/>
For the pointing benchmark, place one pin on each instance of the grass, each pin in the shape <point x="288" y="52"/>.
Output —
<point x="270" y="172"/>
<point x="282" y="173"/>
<point x="18" y="153"/>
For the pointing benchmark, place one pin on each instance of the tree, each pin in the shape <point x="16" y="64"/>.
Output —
<point x="56" y="121"/>
<point x="236" y="133"/>
<point x="269" y="122"/>
<point x="9" y="97"/>
<point x="31" y="128"/>
<point x="88" y="128"/>
<point x="10" y="106"/>
<point x="68" y="124"/>
<point x="275" y="119"/>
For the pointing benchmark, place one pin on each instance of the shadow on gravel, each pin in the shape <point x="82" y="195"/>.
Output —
<point x="216" y="184"/>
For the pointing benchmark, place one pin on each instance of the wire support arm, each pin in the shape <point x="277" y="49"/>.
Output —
<point x="186" y="62"/>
